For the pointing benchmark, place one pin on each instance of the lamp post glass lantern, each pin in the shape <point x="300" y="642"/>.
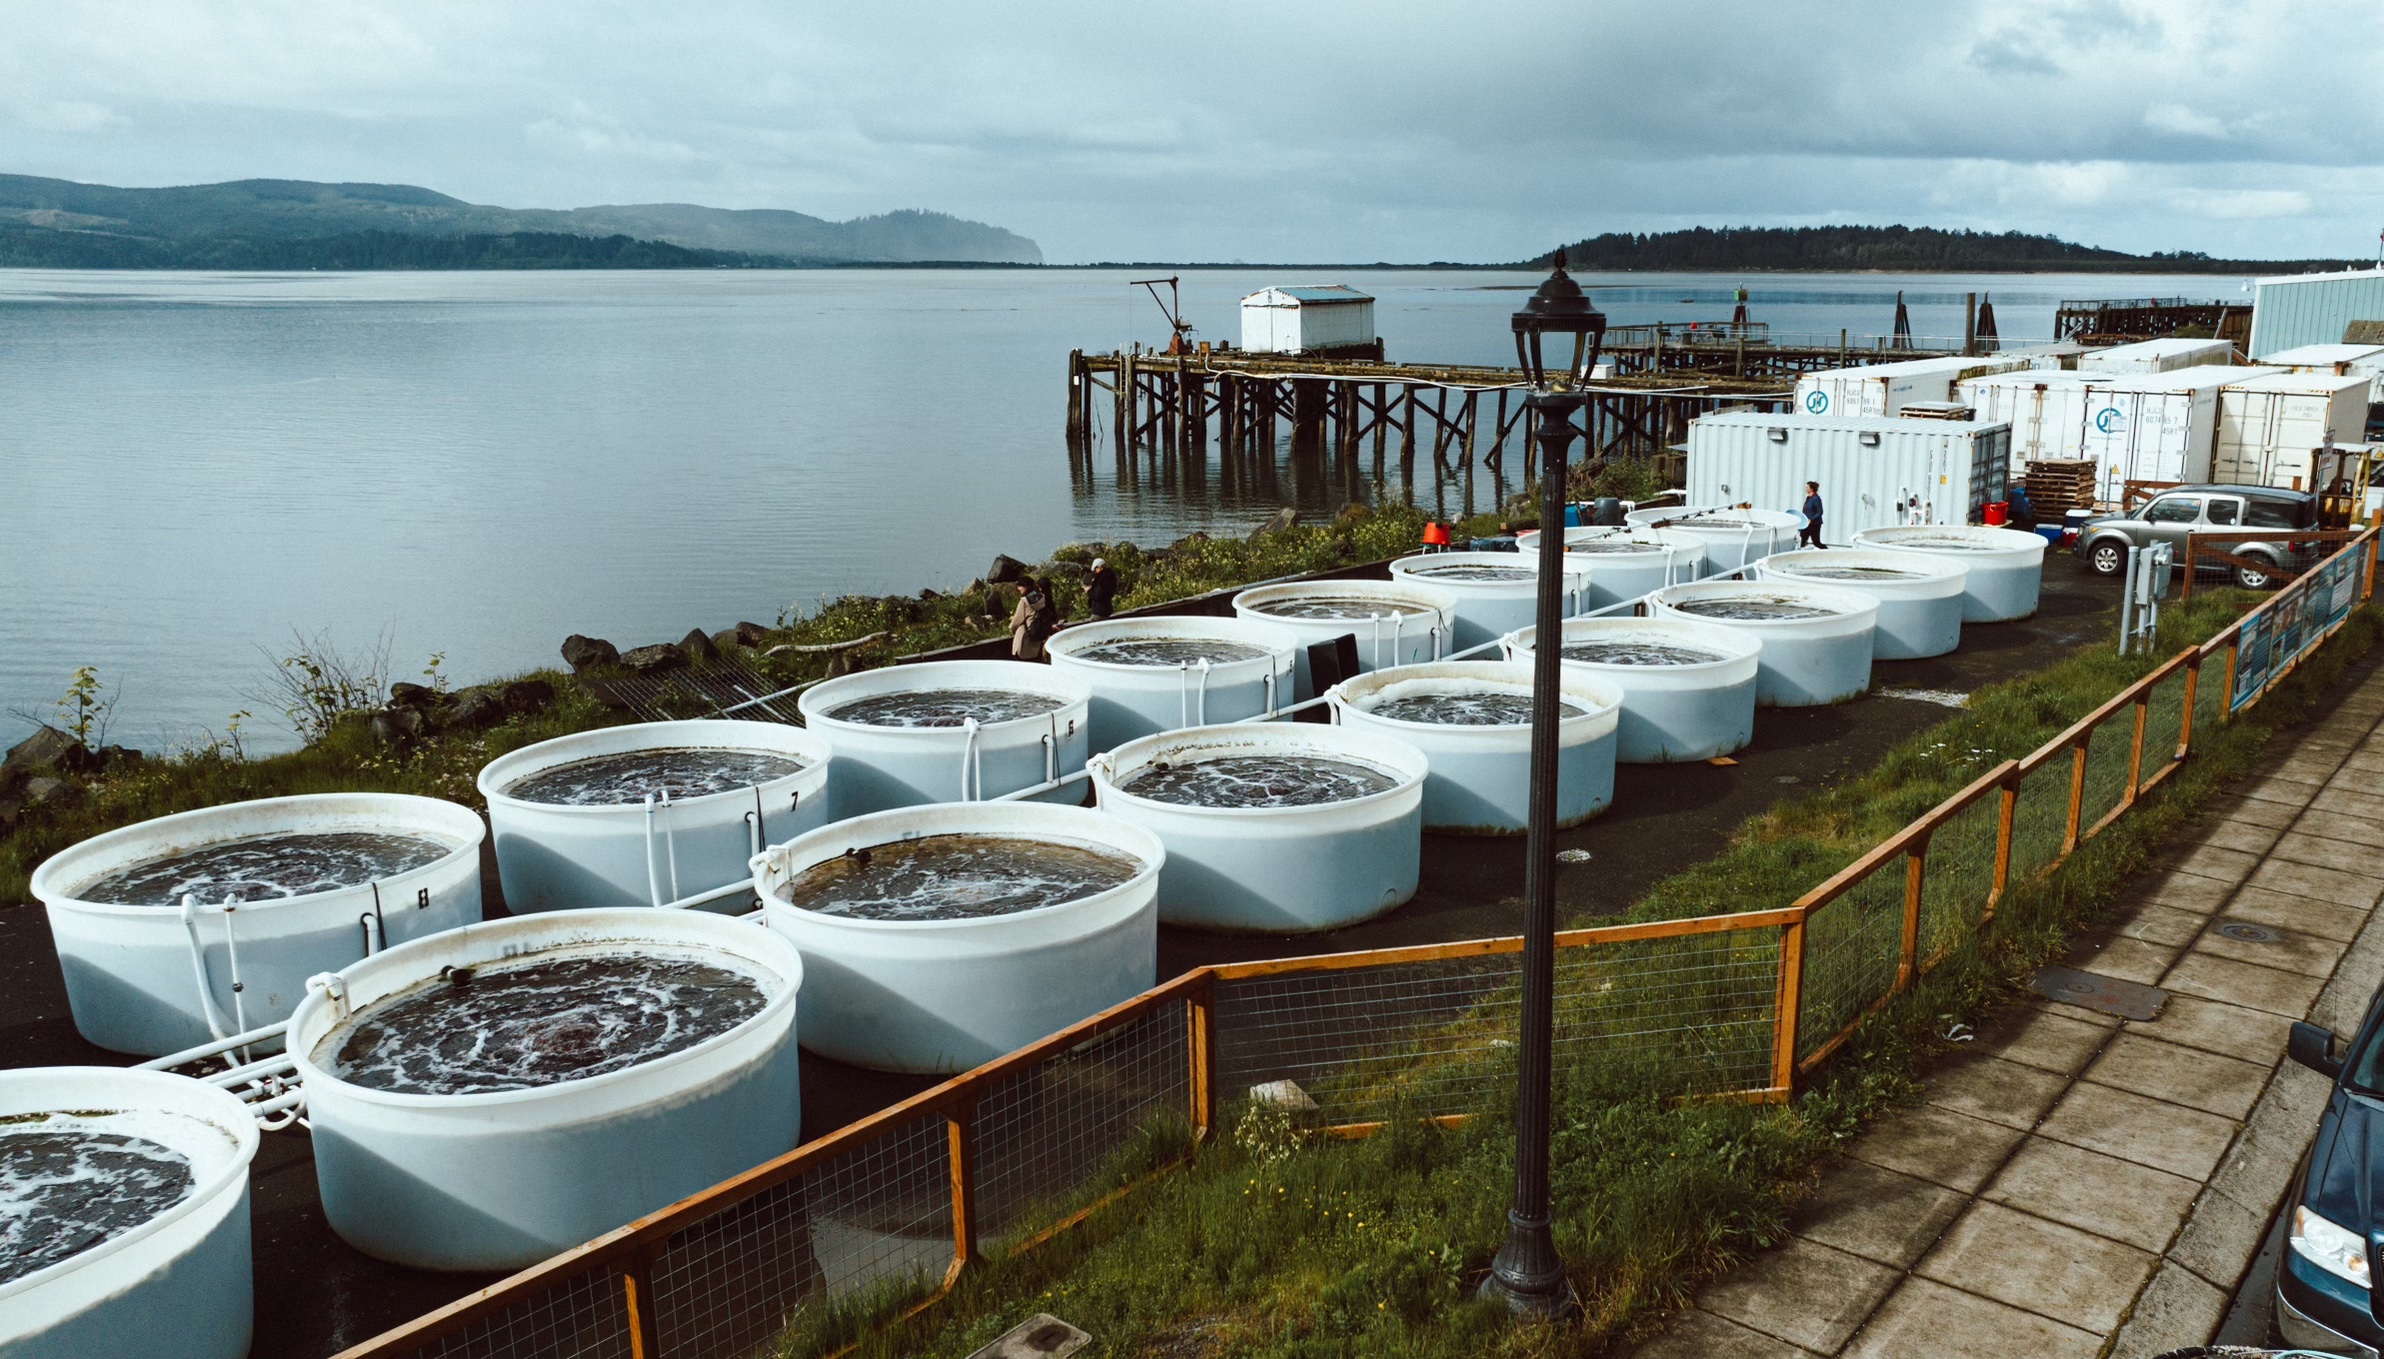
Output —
<point x="1527" y="1274"/>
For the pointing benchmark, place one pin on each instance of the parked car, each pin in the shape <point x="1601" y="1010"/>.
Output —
<point x="2323" y="1288"/>
<point x="2168" y="517"/>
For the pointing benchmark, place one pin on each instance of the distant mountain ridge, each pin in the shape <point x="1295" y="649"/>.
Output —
<point x="1898" y="249"/>
<point x="62" y="223"/>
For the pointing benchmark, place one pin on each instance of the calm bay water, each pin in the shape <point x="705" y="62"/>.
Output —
<point x="192" y="465"/>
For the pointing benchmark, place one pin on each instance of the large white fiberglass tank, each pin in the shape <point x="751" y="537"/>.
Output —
<point x="314" y="883"/>
<point x="939" y="938"/>
<point x="1626" y="563"/>
<point x="1920" y="600"/>
<point x="648" y="813"/>
<point x="949" y="731"/>
<point x="1816" y="640"/>
<point x="1496" y="592"/>
<point x="486" y="1098"/>
<point x="1149" y="675"/>
<point x="123" y="1215"/>
<point x="2003" y="569"/>
<point x="1472" y="720"/>
<point x="1688" y="689"/>
<point x="1394" y="623"/>
<point x="1273" y="826"/>
<point x="1733" y="537"/>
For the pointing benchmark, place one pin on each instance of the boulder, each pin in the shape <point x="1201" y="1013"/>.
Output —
<point x="47" y="748"/>
<point x="400" y="727"/>
<point x="699" y="648"/>
<point x="116" y="757"/>
<point x="1005" y="569"/>
<point x="404" y="695"/>
<point x="589" y="653"/>
<point x="751" y="634"/>
<point x="1068" y="571"/>
<point x="655" y="659"/>
<point x="525" y="696"/>
<point x="478" y="707"/>
<point x="45" y="789"/>
<point x="1284" y="521"/>
<point x="726" y="638"/>
<point x="930" y="596"/>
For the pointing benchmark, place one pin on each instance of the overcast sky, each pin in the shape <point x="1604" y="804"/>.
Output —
<point x="1302" y="131"/>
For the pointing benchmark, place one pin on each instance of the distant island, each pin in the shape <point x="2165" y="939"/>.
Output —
<point x="298" y="224"/>
<point x="1893" y="249"/>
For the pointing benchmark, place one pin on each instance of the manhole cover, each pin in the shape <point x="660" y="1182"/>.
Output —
<point x="2247" y="932"/>
<point x="2094" y="991"/>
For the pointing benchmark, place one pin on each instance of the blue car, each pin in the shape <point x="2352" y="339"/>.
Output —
<point x="2324" y="1282"/>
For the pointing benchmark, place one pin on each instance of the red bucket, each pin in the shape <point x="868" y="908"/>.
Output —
<point x="1998" y="512"/>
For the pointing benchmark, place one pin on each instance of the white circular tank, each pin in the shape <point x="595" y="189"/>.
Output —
<point x="146" y="977"/>
<point x="1395" y="623"/>
<point x="2006" y="567"/>
<point x="1688" y="689"/>
<point x="1000" y="726"/>
<point x="1496" y="592"/>
<point x="1920" y="599"/>
<point x="945" y="995"/>
<point x="501" y="1178"/>
<point x="1625" y="563"/>
<point x="1149" y="675"/>
<point x="1816" y="640"/>
<point x="1480" y="779"/>
<point x="1732" y="537"/>
<point x="174" y="1280"/>
<point x="1277" y="868"/>
<point x="603" y="851"/>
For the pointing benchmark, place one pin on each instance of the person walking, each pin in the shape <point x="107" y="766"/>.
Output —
<point x="1030" y="624"/>
<point x="1811" y="537"/>
<point x="1100" y="591"/>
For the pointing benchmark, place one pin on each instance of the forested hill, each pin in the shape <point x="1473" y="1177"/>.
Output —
<point x="1896" y="249"/>
<point x="298" y="224"/>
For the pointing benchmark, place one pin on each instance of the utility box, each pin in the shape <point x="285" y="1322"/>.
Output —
<point x="2342" y="360"/>
<point x="1306" y="319"/>
<point x="1874" y="471"/>
<point x="2155" y="426"/>
<point x="2046" y="409"/>
<point x="2157" y="356"/>
<point x="1882" y="389"/>
<point x="2269" y="427"/>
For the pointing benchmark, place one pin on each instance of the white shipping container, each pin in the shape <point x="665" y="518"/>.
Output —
<point x="2269" y="427"/>
<point x="2155" y="427"/>
<point x="1874" y="471"/>
<point x="2158" y="356"/>
<point x="1314" y="316"/>
<point x="1882" y="389"/>
<point x="2046" y="410"/>
<point x="2345" y="360"/>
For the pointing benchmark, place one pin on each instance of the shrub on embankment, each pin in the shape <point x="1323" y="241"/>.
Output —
<point x="423" y="740"/>
<point x="1335" y="1250"/>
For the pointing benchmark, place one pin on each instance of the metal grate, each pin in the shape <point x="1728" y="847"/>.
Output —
<point x="583" y="1317"/>
<point x="724" y="688"/>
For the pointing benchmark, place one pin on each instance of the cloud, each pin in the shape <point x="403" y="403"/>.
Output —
<point x="2183" y="121"/>
<point x="2237" y="205"/>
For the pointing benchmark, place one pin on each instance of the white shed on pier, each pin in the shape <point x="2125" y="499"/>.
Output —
<point x="1308" y="317"/>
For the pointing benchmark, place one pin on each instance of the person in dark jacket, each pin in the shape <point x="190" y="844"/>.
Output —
<point x="2022" y="510"/>
<point x="1100" y="590"/>
<point x="1811" y="537"/>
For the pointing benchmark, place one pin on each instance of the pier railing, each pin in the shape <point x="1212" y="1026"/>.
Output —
<point x="894" y="1208"/>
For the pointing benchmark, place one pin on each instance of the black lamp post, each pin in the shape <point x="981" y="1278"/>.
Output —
<point x="1527" y="1272"/>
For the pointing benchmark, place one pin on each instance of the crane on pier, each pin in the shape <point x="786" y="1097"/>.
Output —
<point x="1180" y="330"/>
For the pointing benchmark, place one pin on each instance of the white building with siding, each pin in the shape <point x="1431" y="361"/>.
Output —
<point x="2306" y="309"/>
<point x="1310" y="316"/>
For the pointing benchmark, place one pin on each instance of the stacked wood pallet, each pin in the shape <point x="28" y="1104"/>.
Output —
<point x="2060" y="484"/>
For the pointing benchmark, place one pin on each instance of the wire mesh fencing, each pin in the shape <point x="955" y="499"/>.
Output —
<point x="1854" y="948"/>
<point x="2110" y="768"/>
<point x="2164" y="725"/>
<point x="1958" y="875"/>
<point x="583" y="1316"/>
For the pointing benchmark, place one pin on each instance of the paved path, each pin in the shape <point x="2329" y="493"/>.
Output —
<point x="2083" y="1185"/>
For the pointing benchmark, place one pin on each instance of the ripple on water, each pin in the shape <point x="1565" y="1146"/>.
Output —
<point x="1331" y="609"/>
<point x="1854" y="572"/>
<point x="268" y="868"/>
<point x="956" y="877"/>
<point x="1752" y="609"/>
<point x="1247" y="781"/>
<point x="1638" y="653"/>
<point x="681" y="772"/>
<point x="518" y="1026"/>
<point x="1488" y="708"/>
<point x="1473" y="571"/>
<point x="1169" y="651"/>
<point x="945" y="707"/>
<point x="64" y="1190"/>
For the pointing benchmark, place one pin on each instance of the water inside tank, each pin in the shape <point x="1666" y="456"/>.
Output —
<point x="945" y="707"/>
<point x="629" y="777"/>
<point x="1819" y="571"/>
<point x="1753" y="608"/>
<point x="1476" y="571"/>
<point x="1170" y="651"/>
<point x="1245" y="781"/>
<point x="1639" y="653"/>
<point x="518" y="1026"/>
<point x="268" y="867"/>
<point x="956" y="877"/>
<point x="1330" y="608"/>
<point x="66" y="1189"/>
<point x="1711" y="522"/>
<point x="1614" y="545"/>
<point x="1942" y="542"/>
<point x="1486" y="708"/>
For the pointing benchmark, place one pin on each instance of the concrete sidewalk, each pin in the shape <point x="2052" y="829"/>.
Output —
<point x="2082" y="1184"/>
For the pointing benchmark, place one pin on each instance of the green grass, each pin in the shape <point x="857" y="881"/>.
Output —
<point x="348" y="759"/>
<point x="1372" y="1248"/>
